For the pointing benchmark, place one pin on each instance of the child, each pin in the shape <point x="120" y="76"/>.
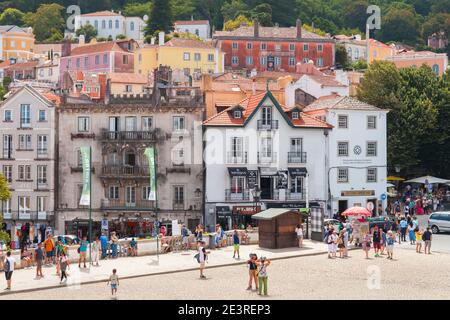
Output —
<point x="390" y="244"/>
<point x="64" y="264"/>
<point x="299" y="232"/>
<point x="236" y="243"/>
<point x="114" y="279"/>
<point x="262" y="274"/>
<point x="418" y="235"/>
<point x="253" y="271"/>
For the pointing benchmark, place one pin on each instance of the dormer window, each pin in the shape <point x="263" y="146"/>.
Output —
<point x="237" y="114"/>
<point x="295" y="115"/>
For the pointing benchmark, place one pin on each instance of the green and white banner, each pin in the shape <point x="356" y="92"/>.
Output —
<point x="150" y="153"/>
<point x="85" y="199"/>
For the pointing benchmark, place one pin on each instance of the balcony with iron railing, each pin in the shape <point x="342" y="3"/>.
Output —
<point x="128" y="135"/>
<point x="299" y="195"/>
<point x="236" y="157"/>
<point x="270" y="195"/>
<point x="42" y="153"/>
<point x="267" y="124"/>
<point x="296" y="157"/>
<point x="28" y="215"/>
<point x="125" y="171"/>
<point x="121" y="204"/>
<point x="237" y="194"/>
<point x="267" y="157"/>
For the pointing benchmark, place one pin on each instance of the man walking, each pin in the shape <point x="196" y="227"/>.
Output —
<point x="9" y="269"/>
<point x="376" y="236"/>
<point x="403" y="226"/>
<point x="184" y="237"/>
<point x="39" y="256"/>
<point x="104" y="243"/>
<point x="427" y="237"/>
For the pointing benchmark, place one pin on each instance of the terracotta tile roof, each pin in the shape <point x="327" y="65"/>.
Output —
<point x="97" y="47"/>
<point x="277" y="74"/>
<point x="52" y="97"/>
<point x="128" y="78"/>
<point x="4" y="64"/>
<point x="191" y="22"/>
<point x="101" y="14"/>
<point x="225" y="118"/>
<point x="229" y="76"/>
<point x="341" y="103"/>
<point x="188" y="43"/>
<point x="327" y="81"/>
<point x="23" y="65"/>
<point x="269" y="32"/>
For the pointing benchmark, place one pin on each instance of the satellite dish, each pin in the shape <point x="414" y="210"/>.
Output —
<point x="145" y="18"/>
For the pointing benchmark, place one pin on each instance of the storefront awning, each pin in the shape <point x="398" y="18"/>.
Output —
<point x="239" y="171"/>
<point x="268" y="171"/>
<point x="297" y="172"/>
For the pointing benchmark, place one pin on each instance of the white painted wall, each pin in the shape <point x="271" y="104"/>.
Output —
<point x="124" y="26"/>
<point x="204" y="31"/>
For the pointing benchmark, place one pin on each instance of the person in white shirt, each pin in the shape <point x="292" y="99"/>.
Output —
<point x="299" y="232"/>
<point x="201" y="258"/>
<point x="9" y="269"/>
<point x="96" y="251"/>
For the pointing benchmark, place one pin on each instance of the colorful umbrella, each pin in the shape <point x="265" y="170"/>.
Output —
<point x="394" y="178"/>
<point x="357" y="211"/>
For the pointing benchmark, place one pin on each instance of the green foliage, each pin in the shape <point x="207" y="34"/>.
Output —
<point x="359" y="65"/>
<point x="5" y="194"/>
<point x="341" y="56"/>
<point x="400" y="25"/>
<point x="88" y="30"/>
<point x="6" y="82"/>
<point x="46" y="22"/>
<point x="3" y="91"/>
<point x="137" y="9"/>
<point x="419" y="107"/>
<point x="236" y="23"/>
<point x="12" y="16"/>
<point x="160" y="17"/>
<point x="121" y="37"/>
<point x="263" y="13"/>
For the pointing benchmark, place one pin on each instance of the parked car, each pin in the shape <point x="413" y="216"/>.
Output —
<point x="439" y="221"/>
<point x="69" y="239"/>
<point x="382" y="223"/>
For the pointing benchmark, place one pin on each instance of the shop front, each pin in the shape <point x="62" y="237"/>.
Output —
<point x="242" y="215"/>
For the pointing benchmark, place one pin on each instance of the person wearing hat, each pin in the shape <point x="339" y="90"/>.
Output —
<point x="263" y="263"/>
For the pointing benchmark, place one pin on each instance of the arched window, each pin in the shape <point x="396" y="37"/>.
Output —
<point x="103" y="24"/>
<point x="132" y="26"/>
<point x="110" y="24"/>
<point x="117" y="24"/>
<point x="435" y="69"/>
<point x="349" y="52"/>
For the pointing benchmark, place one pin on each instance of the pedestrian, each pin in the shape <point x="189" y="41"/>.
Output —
<point x="59" y="248"/>
<point x="253" y="271"/>
<point x="390" y="239"/>
<point x="236" y="243"/>
<point x="427" y="237"/>
<point x="185" y="237"/>
<point x="334" y="239"/>
<point x="418" y="237"/>
<point x="383" y="240"/>
<point x="133" y="247"/>
<point x="411" y="233"/>
<point x="9" y="269"/>
<point x="39" y="257"/>
<point x="346" y="242"/>
<point x="366" y="244"/>
<point x="82" y="251"/>
<point x="299" y="232"/>
<point x="114" y="241"/>
<point x="376" y="238"/>
<point x="104" y="243"/>
<point x="199" y="233"/>
<point x="262" y="275"/>
<point x="114" y="280"/>
<point x="201" y="257"/>
<point x="403" y="227"/>
<point x="218" y="237"/>
<point x="329" y="241"/>
<point x="340" y="244"/>
<point x="64" y="263"/>
<point x="49" y="246"/>
<point x="95" y="251"/>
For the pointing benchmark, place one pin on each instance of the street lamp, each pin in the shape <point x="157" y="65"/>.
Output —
<point x="397" y="168"/>
<point x="256" y="193"/>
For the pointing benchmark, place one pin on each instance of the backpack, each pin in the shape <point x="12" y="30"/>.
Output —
<point x="7" y="265"/>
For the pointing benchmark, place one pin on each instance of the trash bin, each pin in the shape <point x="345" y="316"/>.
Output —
<point x="212" y="240"/>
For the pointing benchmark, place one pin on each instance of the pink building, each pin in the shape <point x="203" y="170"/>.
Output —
<point x="103" y="57"/>
<point x="437" y="61"/>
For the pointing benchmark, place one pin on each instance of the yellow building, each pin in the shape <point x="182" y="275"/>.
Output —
<point x="379" y="51"/>
<point x="16" y="42"/>
<point x="185" y="56"/>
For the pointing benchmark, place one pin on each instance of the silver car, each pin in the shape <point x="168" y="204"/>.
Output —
<point x="439" y="221"/>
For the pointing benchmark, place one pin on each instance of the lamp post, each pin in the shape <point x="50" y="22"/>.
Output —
<point x="256" y="193"/>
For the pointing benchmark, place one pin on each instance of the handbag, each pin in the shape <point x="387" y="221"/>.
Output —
<point x="78" y="250"/>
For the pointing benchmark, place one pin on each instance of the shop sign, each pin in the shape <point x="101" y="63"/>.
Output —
<point x="357" y="193"/>
<point x="105" y="224"/>
<point x="282" y="180"/>
<point x="252" y="178"/>
<point x="237" y="171"/>
<point x="7" y="215"/>
<point x="223" y="211"/>
<point x="42" y="215"/>
<point x="286" y="205"/>
<point x="268" y="171"/>
<point x="246" y="210"/>
<point x="24" y="215"/>
<point x="297" y="172"/>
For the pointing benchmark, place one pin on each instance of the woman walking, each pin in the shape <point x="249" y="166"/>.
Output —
<point x="411" y="233"/>
<point x="262" y="275"/>
<point x="96" y="251"/>
<point x="82" y="251"/>
<point x="390" y="240"/>
<point x="114" y="242"/>
<point x="366" y="244"/>
<point x="340" y="244"/>
<point x="418" y="236"/>
<point x="253" y="271"/>
<point x="299" y="232"/>
<point x="64" y="264"/>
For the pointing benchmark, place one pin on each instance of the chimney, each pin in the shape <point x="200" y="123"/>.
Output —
<point x="254" y="86"/>
<point x="81" y="40"/>
<point x="255" y="28"/>
<point x="299" y="28"/>
<point x="66" y="48"/>
<point x="161" y="38"/>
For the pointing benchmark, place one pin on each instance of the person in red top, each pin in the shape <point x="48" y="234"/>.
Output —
<point x="163" y="231"/>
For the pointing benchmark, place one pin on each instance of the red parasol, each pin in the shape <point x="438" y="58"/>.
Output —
<point x="357" y="211"/>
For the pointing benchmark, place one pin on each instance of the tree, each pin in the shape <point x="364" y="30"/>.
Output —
<point x="437" y="23"/>
<point x="12" y="16"/>
<point x="121" y="37"/>
<point x="88" y="30"/>
<point x="160" y="17"/>
<point x="400" y="25"/>
<point x="263" y="13"/>
<point x="355" y="14"/>
<point x="2" y="92"/>
<point x="359" y="65"/>
<point x="6" y="82"/>
<point x="5" y="195"/>
<point x="236" y="23"/>
<point x="137" y="9"/>
<point x="234" y="8"/>
<point x="46" y="21"/>
<point x="341" y="56"/>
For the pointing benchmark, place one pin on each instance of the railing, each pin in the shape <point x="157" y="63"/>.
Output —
<point x="267" y="124"/>
<point x="267" y="157"/>
<point x="235" y="157"/>
<point x="7" y="153"/>
<point x="124" y="170"/>
<point x="28" y="215"/>
<point x="295" y="195"/>
<point x="237" y="194"/>
<point x="128" y="135"/>
<point x="296" y="157"/>
<point x="274" y="195"/>
<point x="42" y="184"/>
<point x="178" y="205"/>
<point x="121" y="204"/>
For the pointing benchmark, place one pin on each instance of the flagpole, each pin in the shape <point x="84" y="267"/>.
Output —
<point x="90" y="205"/>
